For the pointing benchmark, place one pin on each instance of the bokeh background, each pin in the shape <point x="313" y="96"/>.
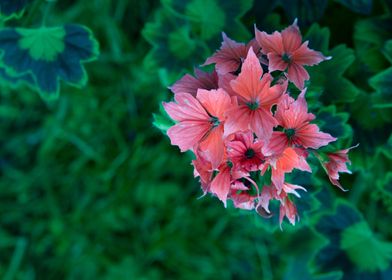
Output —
<point x="91" y="189"/>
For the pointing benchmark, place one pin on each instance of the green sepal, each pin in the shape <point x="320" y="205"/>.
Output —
<point x="162" y="121"/>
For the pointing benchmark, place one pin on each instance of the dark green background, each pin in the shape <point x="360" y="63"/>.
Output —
<point x="90" y="189"/>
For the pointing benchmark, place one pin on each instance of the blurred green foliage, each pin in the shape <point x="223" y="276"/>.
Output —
<point x="90" y="189"/>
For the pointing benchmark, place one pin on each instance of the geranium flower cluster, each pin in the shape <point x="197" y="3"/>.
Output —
<point x="242" y="123"/>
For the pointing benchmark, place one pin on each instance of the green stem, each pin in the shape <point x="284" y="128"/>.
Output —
<point x="49" y="4"/>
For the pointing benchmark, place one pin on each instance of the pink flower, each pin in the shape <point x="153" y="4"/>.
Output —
<point x="200" y="122"/>
<point x="256" y="98"/>
<point x="286" y="51"/>
<point x="226" y="182"/>
<point x="292" y="115"/>
<point x="287" y="207"/>
<point x="190" y="84"/>
<point x="286" y="162"/>
<point x="245" y="152"/>
<point x="231" y="55"/>
<point x="337" y="162"/>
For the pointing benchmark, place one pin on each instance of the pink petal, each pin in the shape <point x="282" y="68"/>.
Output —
<point x="285" y="163"/>
<point x="220" y="186"/>
<point x="248" y="84"/>
<point x="229" y="57"/>
<point x="187" y="134"/>
<point x="297" y="74"/>
<point x="275" y="62"/>
<point x="213" y="146"/>
<point x="237" y="120"/>
<point x="270" y="43"/>
<point x="306" y="56"/>
<point x="292" y="113"/>
<point x="262" y="123"/>
<point x="187" y="108"/>
<point x="310" y="136"/>
<point x="216" y="102"/>
<point x="289" y="210"/>
<point x="277" y="144"/>
<point x="290" y="188"/>
<point x="190" y="84"/>
<point x="224" y="83"/>
<point x="243" y="201"/>
<point x="267" y="193"/>
<point x="291" y="37"/>
<point x="270" y="95"/>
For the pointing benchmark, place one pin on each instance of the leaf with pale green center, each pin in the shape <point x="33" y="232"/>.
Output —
<point x="208" y="18"/>
<point x="173" y="44"/>
<point x="48" y="55"/>
<point x="352" y="246"/>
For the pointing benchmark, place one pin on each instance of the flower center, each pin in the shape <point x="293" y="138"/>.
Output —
<point x="286" y="58"/>
<point x="290" y="132"/>
<point x="253" y="105"/>
<point x="250" y="153"/>
<point x="214" y="121"/>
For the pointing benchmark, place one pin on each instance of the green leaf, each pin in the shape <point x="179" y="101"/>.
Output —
<point x="48" y="55"/>
<point x="358" y="6"/>
<point x="387" y="50"/>
<point x="307" y="11"/>
<point x="328" y="75"/>
<point x="318" y="38"/>
<point x="173" y="45"/>
<point x="366" y="251"/>
<point x="12" y="8"/>
<point x="352" y="246"/>
<point x="208" y="18"/>
<point x="335" y="124"/>
<point x="382" y="83"/>
<point x="369" y="37"/>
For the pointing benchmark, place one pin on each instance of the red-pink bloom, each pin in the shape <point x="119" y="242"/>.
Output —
<point x="231" y="55"/>
<point x="286" y="162"/>
<point x="337" y="162"/>
<point x="287" y="207"/>
<point x="190" y="84"/>
<point x="292" y="115"/>
<point x="286" y="51"/>
<point x="256" y="98"/>
<point x="226" y="181"/>
<point x="200" y="122"/>
<point x="245" y="152"/>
